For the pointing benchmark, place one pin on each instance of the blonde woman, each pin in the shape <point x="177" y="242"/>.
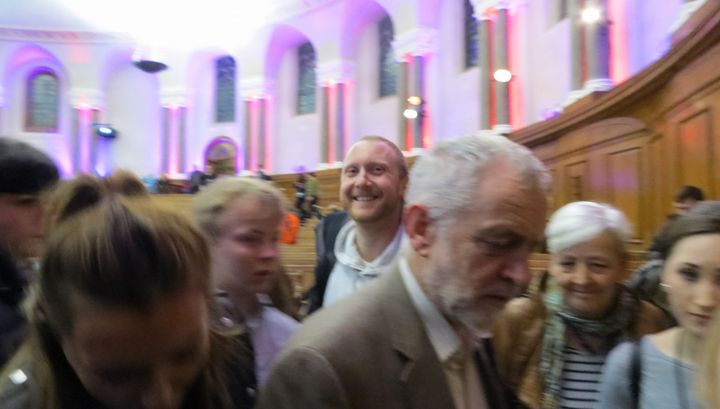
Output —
<point x="241" y="218"/>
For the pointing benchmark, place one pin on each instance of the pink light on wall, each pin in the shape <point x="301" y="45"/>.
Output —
<point x="515" y="85"/>
<point x="84" y="138"/>
<point x="253" y="129"/>
<point x="619" y="65"/>
<point x="349" y="90"/>
<point x="173" y="142"/>
<point x="269" y="104"/>
<point x="332" y="127"/>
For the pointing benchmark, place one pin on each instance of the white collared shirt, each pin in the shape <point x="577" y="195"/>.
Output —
<point x="351" y="271"/>
<point x="456" y="359"/>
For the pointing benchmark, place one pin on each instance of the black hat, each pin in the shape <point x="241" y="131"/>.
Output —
<point x="24" y="169"/>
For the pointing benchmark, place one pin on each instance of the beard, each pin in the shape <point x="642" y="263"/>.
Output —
<point x="463" y="304"/>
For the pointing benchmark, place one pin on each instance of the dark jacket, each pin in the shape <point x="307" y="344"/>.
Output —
<point x="12" y="322"/>
<point x="325" y="234"/>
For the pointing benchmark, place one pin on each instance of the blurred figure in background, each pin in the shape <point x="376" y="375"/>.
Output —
<point x="551" y="346"/>
<point x="26" y="175"/>
<point x="241" y="218"/>
<point x="126" y="183"/>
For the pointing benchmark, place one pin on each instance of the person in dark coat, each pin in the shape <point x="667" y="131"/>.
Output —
<point x="25" y="176"/>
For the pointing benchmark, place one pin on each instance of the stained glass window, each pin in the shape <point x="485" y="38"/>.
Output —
<point x="471" y="36"/>
<point x="306" y="79"/>
<point x="43" y="94"/>
<point x="388" y="67"/>
<point x="225" y="89"/>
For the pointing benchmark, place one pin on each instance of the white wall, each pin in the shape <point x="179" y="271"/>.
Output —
<point x="133" y="108"/>
<point x="544" y="68"/>
<point x="295" y="139"/>
<point x="369" y="114"/>
<point x="457" y="90"/>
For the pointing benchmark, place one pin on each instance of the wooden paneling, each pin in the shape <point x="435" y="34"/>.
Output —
<point x="576" y="181"/>
<point x="635" y="145"/>
<point x="694" y="150"/>
<point x="624" y="169"/>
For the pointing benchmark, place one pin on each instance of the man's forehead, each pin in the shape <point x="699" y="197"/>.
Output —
<point x="370" y="150"/>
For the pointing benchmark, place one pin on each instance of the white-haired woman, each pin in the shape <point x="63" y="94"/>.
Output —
<point x="657" y="372"/>
<point x="552" y="345"/>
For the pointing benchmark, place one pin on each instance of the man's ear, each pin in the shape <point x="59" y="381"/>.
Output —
<point x="419" y="228"/>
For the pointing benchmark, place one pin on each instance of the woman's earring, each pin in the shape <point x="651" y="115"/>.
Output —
<point x="665" y="286"/>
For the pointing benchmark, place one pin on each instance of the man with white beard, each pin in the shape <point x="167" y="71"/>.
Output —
<point x="417" y="337"/>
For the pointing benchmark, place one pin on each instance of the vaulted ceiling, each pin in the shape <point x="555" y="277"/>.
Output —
<point x="56" y="15"/>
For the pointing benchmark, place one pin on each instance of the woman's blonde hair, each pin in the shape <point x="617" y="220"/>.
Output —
<point x="211" y="202"/>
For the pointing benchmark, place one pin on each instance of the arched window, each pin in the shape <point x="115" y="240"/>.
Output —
<point x="387" y="67"/>
<point x="471" y="36"/>
<point x="225" y="89"/>
<point x="306" y="79"/>
<point x="42" y="101"/>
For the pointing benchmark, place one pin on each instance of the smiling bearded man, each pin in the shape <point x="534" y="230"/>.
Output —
<point x="361" y="243"/>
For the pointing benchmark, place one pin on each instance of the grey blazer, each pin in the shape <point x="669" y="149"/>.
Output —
<point x="369" y="351"/>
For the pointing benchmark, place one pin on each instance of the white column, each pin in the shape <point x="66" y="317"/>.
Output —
<point x="414" y="49"/>
<point x="87" y="151"/>
<point x="597" y="49"/>
<point x="333" y="77"/>
<point x="256" y="92"/>
<point x="174" y="117"/>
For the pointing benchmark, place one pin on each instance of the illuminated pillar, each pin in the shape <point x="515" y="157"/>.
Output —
<point x="597" y="49"/>
<point x="86" y="150"/>
<point x="173" y="138"/>
<point x="325" y="124"/>
<point x="247" y="140"/>
<point x="334" y="85"/>
<point x="485" y="68"/>
<point x="576" y="51"/>
<point x="2" y="110"/>
<point x="402" y="92"/>
<point x="256" y="93"/>
<point x="340" y="134"/>
<point x="414" y="49"/>
<point x="501" y="61"/>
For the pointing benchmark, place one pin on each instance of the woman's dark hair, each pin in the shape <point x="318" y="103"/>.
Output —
<point x="24" y="169"/>
<point x="689" y="192"/>
<point x="687" y="225"/>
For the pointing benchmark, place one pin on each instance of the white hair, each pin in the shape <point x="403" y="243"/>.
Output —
<point x="578" y="222"/>
<point x="440" y="179"/>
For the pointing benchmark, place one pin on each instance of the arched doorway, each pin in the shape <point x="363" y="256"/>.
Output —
<point x="221" y="153"/>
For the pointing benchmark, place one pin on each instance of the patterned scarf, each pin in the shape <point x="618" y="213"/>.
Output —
<point x="611" y="329"/>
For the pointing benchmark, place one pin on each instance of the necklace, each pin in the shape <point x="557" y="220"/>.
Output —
<point x="682" y="392"/>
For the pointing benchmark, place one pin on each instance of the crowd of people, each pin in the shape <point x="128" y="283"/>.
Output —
<point x="423" y="297"/>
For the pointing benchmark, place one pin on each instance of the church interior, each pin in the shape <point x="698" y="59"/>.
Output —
<point x="617" y="97"/>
